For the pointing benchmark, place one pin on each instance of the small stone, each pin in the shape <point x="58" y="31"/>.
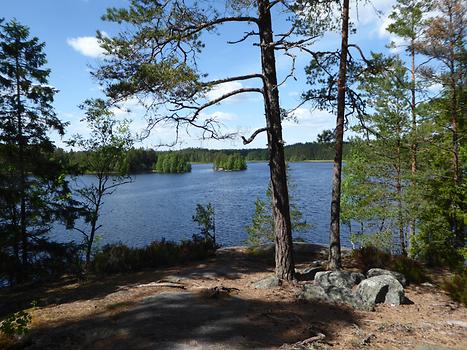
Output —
<point x="457" y="323"/>
<point x="267" y="283"/>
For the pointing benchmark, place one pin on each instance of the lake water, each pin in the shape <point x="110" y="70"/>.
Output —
<point x="162" y="205"/>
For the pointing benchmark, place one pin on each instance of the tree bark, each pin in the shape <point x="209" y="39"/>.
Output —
<point x="280" y="197"/>
<point x="22" y="172"/>
<point x="402" y="238"/>
<point x="414" y="145"/>
<point x="334" y="262"/>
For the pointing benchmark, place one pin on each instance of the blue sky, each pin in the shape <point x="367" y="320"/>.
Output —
<point x="68" y="28"/>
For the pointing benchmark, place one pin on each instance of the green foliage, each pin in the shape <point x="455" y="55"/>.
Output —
<point x="377" y="175"/>
<point x="34" y="192"/>
<point x="410" y="268"/>
<point x="457" y="286"/>
<point x="205" y="217"/>
<point x="116" y="258"/>
<point x="232" y="162"/>
<point x="172" y="162"/>
<point x="380" y="240"/>
<point x="371" y="257"/>
<point x="16" y="324"/>
<point x="261" y="229"/>
<point x="106" y="147"/>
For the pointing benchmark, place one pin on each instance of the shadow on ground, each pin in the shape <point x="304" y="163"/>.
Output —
<point x="227" y="264"/>
<point x="188" y="320"/>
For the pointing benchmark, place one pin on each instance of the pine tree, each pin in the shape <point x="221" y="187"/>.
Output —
<point x="378" y="169"/>
<point x="32" y="189"/>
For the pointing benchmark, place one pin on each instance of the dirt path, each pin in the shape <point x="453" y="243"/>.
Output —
<point x="213" y="305"/>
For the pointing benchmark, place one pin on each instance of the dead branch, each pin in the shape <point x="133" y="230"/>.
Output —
<point x="252" y="137"/>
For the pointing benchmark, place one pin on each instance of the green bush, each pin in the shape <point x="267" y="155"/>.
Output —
<point x="16" y="324"/>
<point x="116" y="258"/>
<point x="368" y="257"/>
<point x="371" y="257"/>
<point x="457" y="286"/>
<point x="411" y="269"/>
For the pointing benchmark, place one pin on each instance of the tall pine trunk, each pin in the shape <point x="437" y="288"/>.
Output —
<point x="22" y="172"/>
<point x="334" y="239"/>
<point x="280" y="197"/>
<point x="414" y="145"/>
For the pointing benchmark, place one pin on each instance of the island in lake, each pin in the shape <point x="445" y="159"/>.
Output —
<point x="172" y="162"/>
<point x="230" y="162"/>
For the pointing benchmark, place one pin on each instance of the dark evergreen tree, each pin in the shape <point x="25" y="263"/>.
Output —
<point x="32" y="191"/>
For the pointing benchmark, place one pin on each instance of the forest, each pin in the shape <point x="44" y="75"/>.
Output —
<point x="137" y="160"/>
<point x="396" y="148"/>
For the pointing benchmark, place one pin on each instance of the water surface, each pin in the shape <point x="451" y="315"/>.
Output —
<point x="162" y="205"/>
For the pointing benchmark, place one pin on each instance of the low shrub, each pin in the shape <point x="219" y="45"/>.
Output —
<point x="115" y="258"/>
<point x="16" y="324"/>
<point x="411" y="269"/>
<point x="457" y="286"/>
<point x="371" y="257"/>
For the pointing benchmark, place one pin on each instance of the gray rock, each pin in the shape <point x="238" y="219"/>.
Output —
<point x="333" y="294"/>
<point x="340" y="279"/>
<point x="378" y="272"/>
<point x="267" y="283"/>
<point x="307" y="274"/>
<point x="357" y="277"/>
<point x="381" y="289"/>
<point x="313" y="292"/>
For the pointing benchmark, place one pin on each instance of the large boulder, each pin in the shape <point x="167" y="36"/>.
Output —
<point x="378" y="272"/>
<point x="340" y="279"/>
<point x="381" y="289"/>
<point x="333" y="294"/>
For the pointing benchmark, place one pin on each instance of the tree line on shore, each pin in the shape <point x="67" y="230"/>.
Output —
<point x="137" y="160"/>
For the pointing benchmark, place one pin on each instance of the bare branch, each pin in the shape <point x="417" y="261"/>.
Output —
<point x="252" y="137"/>
<point x="240" y="77"/>
<point x="246" y="36"/>
<point x="223" y="97"/>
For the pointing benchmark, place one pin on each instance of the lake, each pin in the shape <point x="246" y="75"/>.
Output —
<point x="154" y="206"/>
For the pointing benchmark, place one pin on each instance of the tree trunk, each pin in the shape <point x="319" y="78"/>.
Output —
<point x="399" y="197"/>
<point x="22" y="172"/>
<point x="414" y="144"/>
<point x="457" y="225"/>
<point x="280" y="197"/>
<point x="334" y="239"/>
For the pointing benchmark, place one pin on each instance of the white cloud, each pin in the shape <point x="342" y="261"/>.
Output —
<point x="222" y="89"/>
<point x="223" y="116"/>
<point x="87" y="45"/>
<point x="319" y="119"/>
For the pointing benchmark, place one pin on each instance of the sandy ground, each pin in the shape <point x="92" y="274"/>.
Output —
<point x="213" y="305"/>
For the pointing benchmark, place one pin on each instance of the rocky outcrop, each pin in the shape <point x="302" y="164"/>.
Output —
<point x="378" y="272"/>
<point x="351" y="288"/>
<point x="333" y="294"/>
<point x="381" y="289"/>
<point x="340" y="279"/>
